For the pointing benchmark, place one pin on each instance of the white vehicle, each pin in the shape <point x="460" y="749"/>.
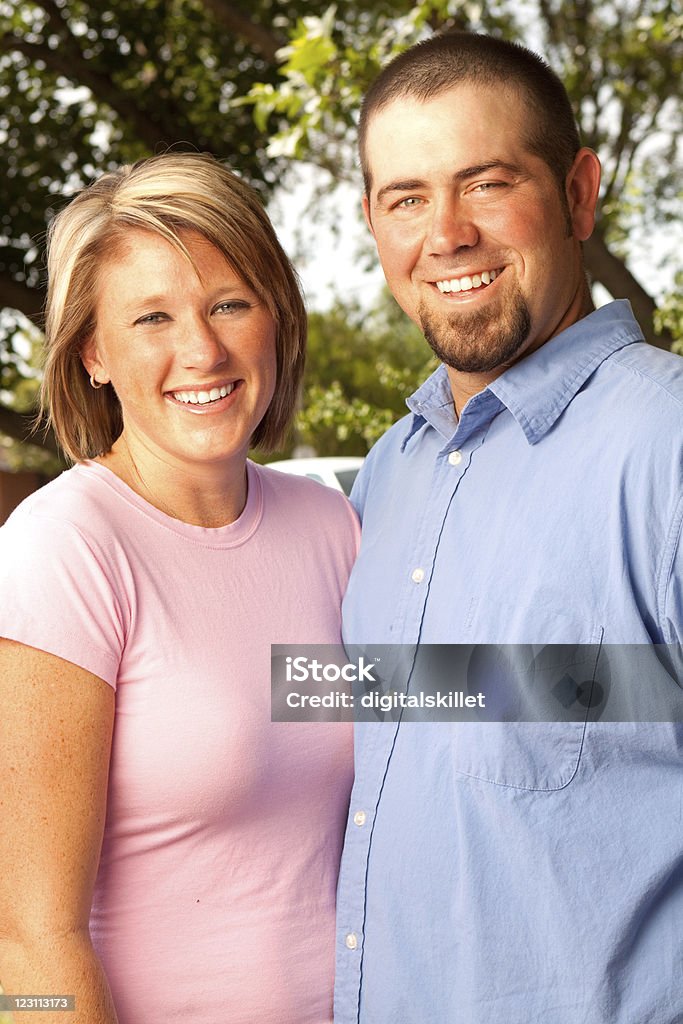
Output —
<point x="338" y="471"/>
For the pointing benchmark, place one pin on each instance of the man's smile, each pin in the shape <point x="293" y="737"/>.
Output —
<point x="468" y="282"/>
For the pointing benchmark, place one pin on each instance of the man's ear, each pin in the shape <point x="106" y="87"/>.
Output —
<point x="366" y="214"/>
<point x="583" y="188"/>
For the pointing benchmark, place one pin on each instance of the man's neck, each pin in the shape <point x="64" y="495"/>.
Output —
<point x="465" y="385"/>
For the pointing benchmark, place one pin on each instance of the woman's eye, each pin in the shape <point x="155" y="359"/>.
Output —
<point x="151" y="318"/>
<point x="233" y="306"/>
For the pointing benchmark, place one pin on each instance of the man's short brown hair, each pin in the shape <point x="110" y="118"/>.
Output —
<point x="450" y="59"/>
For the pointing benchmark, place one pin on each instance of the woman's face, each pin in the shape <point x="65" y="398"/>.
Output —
<point x="190" y="351"/>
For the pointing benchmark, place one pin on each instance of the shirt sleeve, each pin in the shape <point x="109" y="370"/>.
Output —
<point x="57" y="594"/>
<point x="361" y="485"/>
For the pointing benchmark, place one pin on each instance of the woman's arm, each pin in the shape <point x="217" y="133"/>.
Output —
<point x="56" y="724"/>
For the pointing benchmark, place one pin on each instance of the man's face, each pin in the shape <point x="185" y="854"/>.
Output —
<point x="477" y="243"/>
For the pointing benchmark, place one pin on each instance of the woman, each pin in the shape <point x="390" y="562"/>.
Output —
<point x="172" y="853"/>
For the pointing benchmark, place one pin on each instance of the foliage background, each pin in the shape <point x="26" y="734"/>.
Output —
<point x="272" y="85"/>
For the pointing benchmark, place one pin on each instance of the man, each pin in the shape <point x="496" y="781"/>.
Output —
<point x="527" y="871"/>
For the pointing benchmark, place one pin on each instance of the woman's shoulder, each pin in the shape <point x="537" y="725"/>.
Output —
<point x="302" y="491"/>
<point x="75" y="505"/>
<point x="298" y="499"/>
<point x="61" y="496"/>
<point x="62" y="588"/>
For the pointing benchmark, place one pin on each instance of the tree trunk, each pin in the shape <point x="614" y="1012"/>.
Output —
<point x="613" y="273"/>
<point x="263" y="40"/>
<point x="17" y="295"/>
<point x="19" y="427"/>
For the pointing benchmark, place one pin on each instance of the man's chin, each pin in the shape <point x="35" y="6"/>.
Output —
<point x="478" y="345"/>
<point x="474" y="366"/>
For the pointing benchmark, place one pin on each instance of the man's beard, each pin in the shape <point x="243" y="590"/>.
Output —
<point x="480" y="341"/>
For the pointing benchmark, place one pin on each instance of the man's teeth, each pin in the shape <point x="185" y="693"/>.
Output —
<point x="203" y="397"/>
<point x="466" y="284"/>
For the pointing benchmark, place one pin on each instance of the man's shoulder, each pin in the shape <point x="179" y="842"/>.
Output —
<point x="389" y="445"/>
<point x="655" y="370"/>
<point x="642" y="398"/>
<point x="605" y="354"/>
<point x="385" y="460"/>
<point x="393" y="438"/>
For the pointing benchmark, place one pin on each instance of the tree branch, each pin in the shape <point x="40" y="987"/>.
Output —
<point x="55" y="17"/>
<point x="605" y="267"/>
<point x="20" y="428"/>
<point x="17" y="295"/>
<point x="65" y="61"/>
<point x="167" y="117"/>
<point x="267" y="43"/>
<point x="551" y="22"/>
<point x="619" y="148"/>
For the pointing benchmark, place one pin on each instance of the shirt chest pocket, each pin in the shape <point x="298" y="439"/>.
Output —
<point x="541" y="756"/>
<point x="531" y="733"/>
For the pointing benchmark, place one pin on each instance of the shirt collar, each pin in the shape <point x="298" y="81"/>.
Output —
<point x="538" y="388"/>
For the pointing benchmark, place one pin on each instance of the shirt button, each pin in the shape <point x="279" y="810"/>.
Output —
<point x="351" y="941"/>
<point x="359" y="818"/>
<point x="455" y="458"/>
<point x="417" y="575"/>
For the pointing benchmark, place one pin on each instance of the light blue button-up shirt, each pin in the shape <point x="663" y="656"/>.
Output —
<point x="521" y="873"/>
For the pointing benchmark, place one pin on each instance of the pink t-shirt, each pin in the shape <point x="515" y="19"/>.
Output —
<point x="215" y="893"/>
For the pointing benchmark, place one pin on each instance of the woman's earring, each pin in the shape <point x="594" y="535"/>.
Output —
<point x="96" y="384"/>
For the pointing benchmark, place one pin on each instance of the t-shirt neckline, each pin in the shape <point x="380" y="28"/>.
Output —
<point x="229" y="535"/>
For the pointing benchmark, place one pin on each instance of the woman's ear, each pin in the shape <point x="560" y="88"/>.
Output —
<point x="92" y="362"/>
<point x="583" y="187"/>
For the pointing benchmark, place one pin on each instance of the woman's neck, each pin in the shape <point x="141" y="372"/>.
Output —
<point x="200" y="495"/>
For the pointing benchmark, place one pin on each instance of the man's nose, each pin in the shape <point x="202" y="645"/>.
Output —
<point x="451" y="227"/>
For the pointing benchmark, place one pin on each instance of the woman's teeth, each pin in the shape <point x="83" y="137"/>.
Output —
<point x="203" y="397"/>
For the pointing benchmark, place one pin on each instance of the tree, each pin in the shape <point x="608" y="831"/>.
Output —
<point x="43" y="458"/>
<point x="86" y="84"/>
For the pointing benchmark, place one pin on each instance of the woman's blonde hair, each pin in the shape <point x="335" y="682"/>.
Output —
<point x="166" y="194"/>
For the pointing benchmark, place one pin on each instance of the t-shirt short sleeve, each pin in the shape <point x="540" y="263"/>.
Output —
<point x="58" y="593"/>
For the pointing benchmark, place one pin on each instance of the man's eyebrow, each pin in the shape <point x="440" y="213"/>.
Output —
<point x="411" y="185"/>
<point x="490" y="165"/>
<point x="416" y="184"/>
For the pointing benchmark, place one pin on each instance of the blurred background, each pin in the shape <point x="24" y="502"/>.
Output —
<point x="273" y="88"/>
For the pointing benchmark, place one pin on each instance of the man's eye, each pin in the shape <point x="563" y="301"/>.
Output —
<point x="488" y="186"/>
<point x="408" y="202"/>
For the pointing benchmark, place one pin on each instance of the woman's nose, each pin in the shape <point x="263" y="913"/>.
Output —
<point x="202" y="348"/>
